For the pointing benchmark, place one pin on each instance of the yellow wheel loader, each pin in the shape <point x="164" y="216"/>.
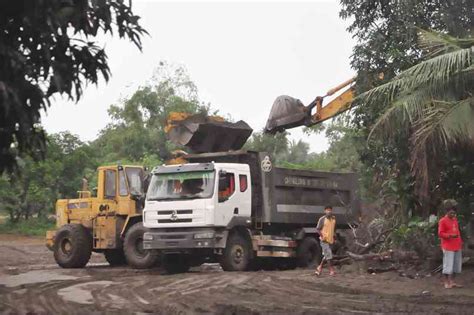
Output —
<point x="110" y="222"/>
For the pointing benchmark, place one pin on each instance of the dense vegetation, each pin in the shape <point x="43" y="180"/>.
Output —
<point x="135" y="135"/>
<point x="389" y="43"/>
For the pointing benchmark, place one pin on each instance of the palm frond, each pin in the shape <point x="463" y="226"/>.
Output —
<point x="409" y="107"/>
<point x="433" y="72"/>
<point x="434" y="44"/>
<point x="442" y="125"/>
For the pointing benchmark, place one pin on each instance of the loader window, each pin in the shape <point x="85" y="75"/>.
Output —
<point x="123" y="190"/>
<point x="226" y="186"/>
<point x="109" y="184"/>
<point x="135" y="178"/>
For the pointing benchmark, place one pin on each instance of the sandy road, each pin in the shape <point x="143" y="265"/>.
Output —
<point x="30" y="282"/>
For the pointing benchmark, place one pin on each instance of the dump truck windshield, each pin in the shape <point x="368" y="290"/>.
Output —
<point x="183" y="185"/>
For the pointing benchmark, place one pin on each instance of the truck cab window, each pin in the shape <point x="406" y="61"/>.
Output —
<point x="110" y="184"/>
<point x="226" y="186"/>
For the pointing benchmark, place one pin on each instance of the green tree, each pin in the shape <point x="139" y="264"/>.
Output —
<point x="387" y="36"/>
<point x="47" y="48"/>
<point x="34" y="190"/>
<point x="432" y="102"/>
<point x="276" y="145"/>
<point x="137" y="127"/>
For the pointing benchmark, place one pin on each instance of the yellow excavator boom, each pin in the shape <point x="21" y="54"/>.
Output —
<point x="288" y="112"/>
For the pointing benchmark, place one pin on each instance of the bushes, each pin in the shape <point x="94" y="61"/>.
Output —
<point x="34" y="226"/>
<point x="418" y="235"/>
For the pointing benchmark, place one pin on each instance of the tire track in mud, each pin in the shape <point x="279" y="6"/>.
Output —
<point x="122" y="290"/>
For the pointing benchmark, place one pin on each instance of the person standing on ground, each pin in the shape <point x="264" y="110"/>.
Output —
<point x="327" y="230"/>
<point x="451" y="244"/>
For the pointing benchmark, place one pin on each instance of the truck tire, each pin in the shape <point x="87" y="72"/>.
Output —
<point x="115" y="257"/>
<point x="236" y="255"/>
<point x="175" y="263"/>
<point x="308" y="252"/>
<point x="72" y="246"/>
<point x="135" y="255"/>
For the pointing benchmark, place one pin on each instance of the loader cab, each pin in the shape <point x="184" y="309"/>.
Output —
<point x="121" y="189"/>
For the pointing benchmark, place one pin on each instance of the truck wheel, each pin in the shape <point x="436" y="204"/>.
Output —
<point x="72" y="246"/>
<point x="115" y="257"/>
<point x="236" y="255"/>
<point x="136" y="256"/>
<point x="308" y="252"/>
<point x="175" y="263"/>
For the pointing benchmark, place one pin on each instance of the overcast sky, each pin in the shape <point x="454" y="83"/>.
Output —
<point x="241" y="55"/>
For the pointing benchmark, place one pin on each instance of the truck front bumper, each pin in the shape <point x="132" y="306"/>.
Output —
<point x="179" y="240"/>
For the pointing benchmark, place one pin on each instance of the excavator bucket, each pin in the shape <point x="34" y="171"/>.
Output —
<point x="202" y="133"/>
<point x="287" y="112"/>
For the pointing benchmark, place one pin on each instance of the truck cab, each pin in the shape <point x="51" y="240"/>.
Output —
<point x="207" y="197"/>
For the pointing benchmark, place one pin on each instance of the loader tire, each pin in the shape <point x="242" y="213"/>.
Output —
<point x="72" y="246"/>
<point x="136" y="256"/>
<point x="115" y="257"/>
<point x="308" y="252"/>
<point x="236" y="255"/>
<point x="175" y="263"/>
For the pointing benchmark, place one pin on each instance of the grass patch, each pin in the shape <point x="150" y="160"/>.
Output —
<point x="33" y="226"/>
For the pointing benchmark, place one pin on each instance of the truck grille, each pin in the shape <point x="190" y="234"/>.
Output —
<point x="175" y="221"/>
<point x="167" y="217"/>
<point x="165" y="212"/>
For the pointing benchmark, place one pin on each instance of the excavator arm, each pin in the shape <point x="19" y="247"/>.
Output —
<point x="288" y="112"/>
<point x="202" y="133"/>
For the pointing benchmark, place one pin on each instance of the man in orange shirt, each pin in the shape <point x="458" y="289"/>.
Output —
<point x="326" y="229"/>
<point x="451" y="244"/>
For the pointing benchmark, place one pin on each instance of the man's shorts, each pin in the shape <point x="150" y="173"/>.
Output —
<point x="452" y="262"/>
<point x="327" y="252"/>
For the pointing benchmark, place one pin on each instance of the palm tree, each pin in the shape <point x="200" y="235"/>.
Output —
<point x="432" y="101"/>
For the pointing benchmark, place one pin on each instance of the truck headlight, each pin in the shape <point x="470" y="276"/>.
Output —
<point x="204" y="235"/>
<point x="148" y="237"/>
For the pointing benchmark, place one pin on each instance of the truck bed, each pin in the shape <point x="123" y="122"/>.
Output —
<point x="290" y="196"/>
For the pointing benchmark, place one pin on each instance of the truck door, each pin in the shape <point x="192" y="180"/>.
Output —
<point x="228" y="201"/>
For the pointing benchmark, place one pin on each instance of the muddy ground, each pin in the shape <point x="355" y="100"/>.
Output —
<point x="30" y="282"/>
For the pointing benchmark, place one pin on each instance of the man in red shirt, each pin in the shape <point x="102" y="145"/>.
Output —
<point x="451" y="244"/>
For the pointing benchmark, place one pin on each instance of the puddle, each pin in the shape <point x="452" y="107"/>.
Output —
<point x="81" y="293"/>
<point x="30" y="277"/>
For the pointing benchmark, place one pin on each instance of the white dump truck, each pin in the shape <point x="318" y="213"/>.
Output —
<point x="238" y="209"/>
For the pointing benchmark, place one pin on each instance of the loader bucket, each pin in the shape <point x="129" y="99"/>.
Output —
<point x="287" y="112"/>
<point x="201" y="133"/>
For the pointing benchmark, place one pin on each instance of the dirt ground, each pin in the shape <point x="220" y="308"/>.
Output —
<point x="30" y="282"/>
